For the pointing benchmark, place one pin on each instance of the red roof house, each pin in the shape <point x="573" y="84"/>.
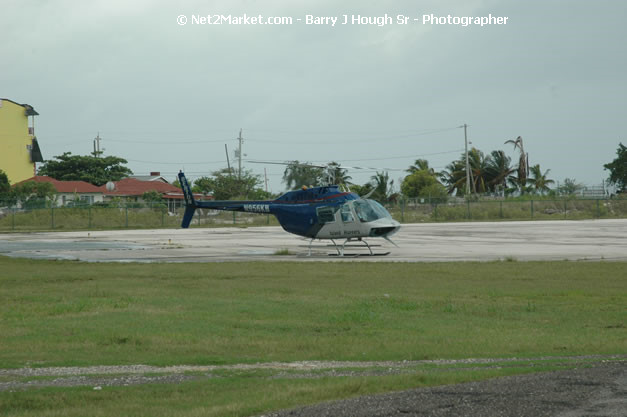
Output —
<point x="133" y="189"/>
<point x="70" y="190"/>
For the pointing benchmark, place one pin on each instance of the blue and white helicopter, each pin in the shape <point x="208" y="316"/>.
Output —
<point x="316" y="213"/>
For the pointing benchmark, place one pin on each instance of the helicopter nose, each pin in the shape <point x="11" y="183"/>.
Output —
<point x="385" y="230"/>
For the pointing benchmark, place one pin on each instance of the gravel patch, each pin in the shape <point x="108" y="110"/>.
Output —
<point x="600" y="390"/>
<point x="597" y="387"/>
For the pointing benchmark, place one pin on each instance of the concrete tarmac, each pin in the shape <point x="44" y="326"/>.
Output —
<point x="429" y="242"/>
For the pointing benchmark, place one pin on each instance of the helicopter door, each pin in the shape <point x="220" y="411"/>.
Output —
<point x="349" y="226"/>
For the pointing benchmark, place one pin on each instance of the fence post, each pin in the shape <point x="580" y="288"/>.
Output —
<point x="598" y="209"/>
<point x="126" y="216"/>
<point x="162" y="217"/>
<point x="402" y="210"/>
<point x="52" y="216"/>
<point x="435" y="211"/>
<point x="468" y="209"/>
<point x="89" y="215"/>
<point x="532" y="209"/>
<point x="501" y="208"/>
<point x="564" y="208"/>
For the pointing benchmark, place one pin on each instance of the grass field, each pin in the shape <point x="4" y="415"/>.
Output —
<point x="56" y="313"/>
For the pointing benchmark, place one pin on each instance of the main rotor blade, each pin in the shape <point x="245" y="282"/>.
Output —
<point x="369" y="193"/>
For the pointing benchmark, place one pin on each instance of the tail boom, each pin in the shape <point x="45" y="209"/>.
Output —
<point x="190" y="202"/>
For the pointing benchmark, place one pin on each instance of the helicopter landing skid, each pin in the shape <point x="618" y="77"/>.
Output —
<point x="342" y="253"/>
<point x="357" y="255"/>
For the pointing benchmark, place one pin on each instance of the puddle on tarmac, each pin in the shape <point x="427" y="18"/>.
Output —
<point x="36" y="249"/>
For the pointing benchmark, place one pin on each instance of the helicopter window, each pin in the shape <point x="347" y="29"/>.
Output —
<point x="326" y="214"/>
<point x="370" y="210"/>
<point x="347" y="215"/>
<point x="382" y="211"/>
<point x="302" y="196"/>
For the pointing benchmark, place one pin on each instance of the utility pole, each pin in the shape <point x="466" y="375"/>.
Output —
<point x="97" y="151"/>
<point x="228" y="164"/>
<point x="467" y="162"/>
<point x="239" y="155"/>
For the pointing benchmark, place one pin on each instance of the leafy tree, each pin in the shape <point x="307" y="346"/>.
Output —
<point x="539" y="181"/>
<point x="297" y="175"/>
<point x="152" y="196"/>
<point x="570" y="186"/>
<point x="618" y="168"/>
<point x="361" y="190"/>
<point x="203" y="185"/>
<point x="422" y="184"/>
<point x="97" y="171"/>
<point x="5" y="186"/>
<point x="224" y="185"/>
<point x="32" y="194"/>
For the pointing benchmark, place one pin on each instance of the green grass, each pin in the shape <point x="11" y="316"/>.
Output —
<point x="238" y="395"/>
<point x="71" y="313"/>
<point x="62" y="313"/>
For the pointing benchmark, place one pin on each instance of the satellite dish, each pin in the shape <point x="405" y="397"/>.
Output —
<point x="110" y="186"/>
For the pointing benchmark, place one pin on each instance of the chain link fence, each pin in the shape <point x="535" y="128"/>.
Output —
<point x="416" y="211"/>
<point x="137" y="216"/>
<point x="134" y="216"/>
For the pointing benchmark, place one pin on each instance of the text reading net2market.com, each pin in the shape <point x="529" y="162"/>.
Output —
<point x="354" y="19"/>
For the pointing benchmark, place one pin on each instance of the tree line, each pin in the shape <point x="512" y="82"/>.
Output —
<point x="493" y="172"/>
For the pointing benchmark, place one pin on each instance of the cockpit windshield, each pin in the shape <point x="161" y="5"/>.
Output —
<point x="370" y="210"/>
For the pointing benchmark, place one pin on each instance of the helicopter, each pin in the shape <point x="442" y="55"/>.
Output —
<point x="324" y="212"/>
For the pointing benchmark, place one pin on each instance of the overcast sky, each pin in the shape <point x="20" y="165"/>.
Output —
<point x="167" y="96"/>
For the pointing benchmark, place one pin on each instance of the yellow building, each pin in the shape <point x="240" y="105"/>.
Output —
<point x="19" y="151"/>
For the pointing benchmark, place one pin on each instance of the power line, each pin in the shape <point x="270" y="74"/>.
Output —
<point x="283" y="161"/>
<point x="401" y="157"/>
<point x="175" y="163"/>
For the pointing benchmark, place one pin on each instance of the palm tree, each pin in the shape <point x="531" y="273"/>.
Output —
<point x="382" y="186"/>
<point x="478" y="170"/>
<point x="454" y="176"/>
<point x="297" y="174"/>
<point x="538" y="180"/>
<point x="338" y="175"/>
<point x="498" y="170"/>
<point x="422" y="165"/>
<point x="523" y="164"/>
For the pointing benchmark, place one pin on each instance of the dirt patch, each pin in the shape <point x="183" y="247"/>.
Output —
<point x="98" y="376"/>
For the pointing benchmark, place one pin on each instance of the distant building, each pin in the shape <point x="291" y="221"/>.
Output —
<point x="19" y="148"/>
<point x="154" y="176"/>
<point x="67" y="192"/>
<point x="132" y="189"/>
<point x="595" y="191"/>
